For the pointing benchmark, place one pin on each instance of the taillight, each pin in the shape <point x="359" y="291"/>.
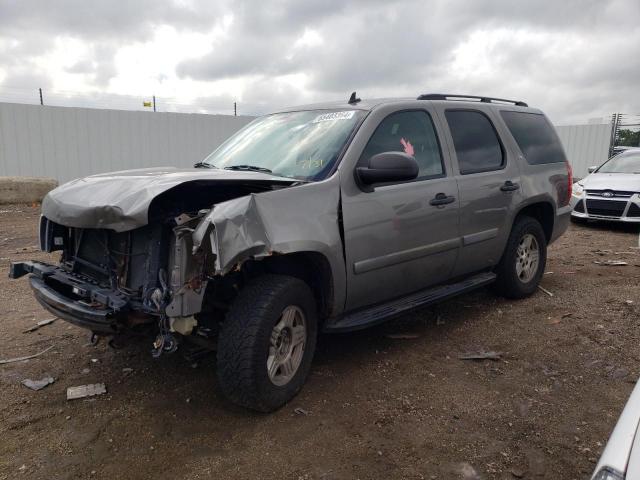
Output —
<point x="570" y="180"/>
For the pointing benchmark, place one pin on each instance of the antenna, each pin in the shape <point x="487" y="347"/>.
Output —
<point x="353" y="99"/>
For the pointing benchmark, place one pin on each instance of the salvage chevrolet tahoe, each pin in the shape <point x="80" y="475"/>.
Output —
<point x="330" y="217"/>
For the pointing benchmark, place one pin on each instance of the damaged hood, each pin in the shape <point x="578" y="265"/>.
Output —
<point x="121" y="200"/>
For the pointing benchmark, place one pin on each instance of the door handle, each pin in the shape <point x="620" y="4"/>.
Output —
<point x="509" y="186"/>
<point x="442" y="199"/>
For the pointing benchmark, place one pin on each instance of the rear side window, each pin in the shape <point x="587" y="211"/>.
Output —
<point x="413" y="133"/>
<point x="536" y="138"/>
<point x="476" y="142"/>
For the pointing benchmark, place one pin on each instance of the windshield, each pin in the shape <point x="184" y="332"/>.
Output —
<point x="302" y="145"/>
<point x="622" y="163"/>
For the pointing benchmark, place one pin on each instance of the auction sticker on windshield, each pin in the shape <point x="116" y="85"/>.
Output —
<point x="325" y="117"/>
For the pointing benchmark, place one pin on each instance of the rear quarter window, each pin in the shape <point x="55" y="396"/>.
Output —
<point x="535" y="136"/>
<point x="475" y="140"/>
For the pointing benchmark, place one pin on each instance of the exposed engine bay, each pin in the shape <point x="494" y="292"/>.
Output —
<point x="175" y="276"/>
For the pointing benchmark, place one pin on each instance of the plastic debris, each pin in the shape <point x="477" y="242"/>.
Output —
<point x="481" y="356"/>
<point x="545" y="290"/>
<point x="611" y="263"/>
<point x="28" y="357"/>
<point x="83" y="391"/>
<point x="37" y="384"/>
<point x="40" y="324"/>
<point x="402" y="336"/>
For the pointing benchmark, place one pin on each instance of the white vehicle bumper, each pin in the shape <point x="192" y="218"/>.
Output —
<point x="621" y="457"/>
<point x="616" y="208"/>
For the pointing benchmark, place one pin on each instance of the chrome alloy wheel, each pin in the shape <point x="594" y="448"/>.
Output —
<point x="527" y="258"/>
<point x="286" y="346"/>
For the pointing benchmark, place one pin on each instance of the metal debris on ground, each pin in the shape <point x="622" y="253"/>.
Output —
<point x="301" y="411"/>
<point x="545" y="290"/>
<point x="84" y="391"/>
<point x="40" y="324"/>
<point x="481" y="356"/>
<point x="611" y="263"/>
<point x="402" y="336"/>
<point x="28" y="357"/>
<point x="37" y="384"/>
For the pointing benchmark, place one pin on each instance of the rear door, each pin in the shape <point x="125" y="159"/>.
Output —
<point x="397" y="238"/>
<point x="489" y="187"/>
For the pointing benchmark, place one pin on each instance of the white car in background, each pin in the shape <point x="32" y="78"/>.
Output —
<point x="621" y="457"/>
<point x="610" y="191"/>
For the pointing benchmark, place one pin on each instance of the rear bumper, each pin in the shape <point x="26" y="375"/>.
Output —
<point x="561" y="223"/>
<point x="73" y="299"/>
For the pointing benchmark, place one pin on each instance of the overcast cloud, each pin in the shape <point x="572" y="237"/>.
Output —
<point x="575" y="59"/>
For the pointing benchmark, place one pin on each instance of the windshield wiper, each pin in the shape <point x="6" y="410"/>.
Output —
<point x="203" y="165"/>
<point x="249" y="168"/>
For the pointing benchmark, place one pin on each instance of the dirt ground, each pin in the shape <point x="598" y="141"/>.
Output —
<point x="373" y="407"/>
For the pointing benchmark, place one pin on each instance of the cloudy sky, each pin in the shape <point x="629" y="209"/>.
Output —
<point x="575" y="59"/>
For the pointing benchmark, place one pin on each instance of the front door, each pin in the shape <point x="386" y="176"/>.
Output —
<point x="402" y="237"/>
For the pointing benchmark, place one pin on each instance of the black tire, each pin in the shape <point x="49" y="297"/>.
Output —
<point x="244" y="340"/>
<point x="508" y="283"/>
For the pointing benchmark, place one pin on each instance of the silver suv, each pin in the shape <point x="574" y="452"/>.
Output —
<point x="330" y="217"/>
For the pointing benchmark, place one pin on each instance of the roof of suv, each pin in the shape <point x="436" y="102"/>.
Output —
<point x="369" y="104"/>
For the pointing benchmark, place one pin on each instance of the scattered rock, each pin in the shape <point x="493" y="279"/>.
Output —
<point x="467" y="472"/>
<point x="518" y="472"/>
<point x="301" y="411"/>
<point x="619" y="373"/>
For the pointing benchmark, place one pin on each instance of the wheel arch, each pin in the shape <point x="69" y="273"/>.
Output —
<point x="543" y="211"/>
<point x="311" y="267"/>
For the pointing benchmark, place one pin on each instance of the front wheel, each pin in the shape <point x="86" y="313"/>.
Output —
<point x="267" y="342"/>
<point x="523" y="261"/>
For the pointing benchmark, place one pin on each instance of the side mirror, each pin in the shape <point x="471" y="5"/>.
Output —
<point x="388" y="167"/>
<point x="592" y="169"/>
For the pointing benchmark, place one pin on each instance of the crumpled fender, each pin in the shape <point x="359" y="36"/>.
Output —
<point x="303" y="218"/>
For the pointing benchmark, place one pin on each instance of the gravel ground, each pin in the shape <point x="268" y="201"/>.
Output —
<point x="374" y="406"/>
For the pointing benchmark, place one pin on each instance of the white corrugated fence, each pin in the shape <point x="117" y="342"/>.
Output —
<point x="585" y="145"/>
<point x="67" y="142"/>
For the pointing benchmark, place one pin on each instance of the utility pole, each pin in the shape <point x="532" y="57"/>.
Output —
<point x="41" y="102"/>
<point x="235" y="109"/>
<point x="154" y="103"/>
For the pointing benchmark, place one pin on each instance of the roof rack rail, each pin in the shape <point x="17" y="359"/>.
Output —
<point x="447" y="96"/>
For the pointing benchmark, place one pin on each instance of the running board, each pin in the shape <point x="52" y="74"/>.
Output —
<point x="370" y="316"/>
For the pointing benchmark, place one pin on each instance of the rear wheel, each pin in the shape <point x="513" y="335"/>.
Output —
<point x="267" y="342"/>
<point x="524" y="259"/>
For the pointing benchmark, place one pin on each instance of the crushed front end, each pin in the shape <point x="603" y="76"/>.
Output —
<point x="106" y="281"/>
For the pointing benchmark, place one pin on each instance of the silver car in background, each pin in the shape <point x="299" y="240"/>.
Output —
<point x="611" y="191"/>
<point x="621" y="457"/>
